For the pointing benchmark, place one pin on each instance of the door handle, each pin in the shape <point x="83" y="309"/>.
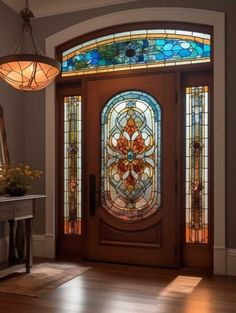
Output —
<point x="92" y="195"/>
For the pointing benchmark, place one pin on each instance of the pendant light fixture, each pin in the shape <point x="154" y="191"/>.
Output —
<point x="27" y="68"/>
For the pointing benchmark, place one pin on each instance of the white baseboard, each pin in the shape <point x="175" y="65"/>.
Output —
<point x="3" y="250"/>
<point x="231" y="262"/>
<point x="44" y="246"/>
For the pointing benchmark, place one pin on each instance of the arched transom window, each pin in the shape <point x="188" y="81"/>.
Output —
<point x="137" y="49"/>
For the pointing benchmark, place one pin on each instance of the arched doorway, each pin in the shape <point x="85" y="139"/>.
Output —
<point x="141" y="192"/>
<point x="188" y="15"/>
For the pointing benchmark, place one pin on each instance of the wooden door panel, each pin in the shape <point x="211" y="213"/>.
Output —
<point x="150" y="241"/>
<point x="151" y="235"/>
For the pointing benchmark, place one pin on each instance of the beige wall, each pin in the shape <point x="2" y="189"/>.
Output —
<point x="11" y="101"/>
<point x="34" y="103"/>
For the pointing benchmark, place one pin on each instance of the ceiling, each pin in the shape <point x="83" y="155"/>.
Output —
<point x="42" y="8"/>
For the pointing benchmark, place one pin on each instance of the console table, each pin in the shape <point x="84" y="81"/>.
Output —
<point x="14" y="209"/>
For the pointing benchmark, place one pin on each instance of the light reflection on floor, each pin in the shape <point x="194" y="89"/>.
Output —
<point x="181" y="284"/>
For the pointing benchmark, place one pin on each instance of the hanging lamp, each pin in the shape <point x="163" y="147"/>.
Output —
<point x="27" y="68"/>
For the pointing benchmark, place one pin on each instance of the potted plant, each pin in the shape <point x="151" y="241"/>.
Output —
<point x="16" y="180"/>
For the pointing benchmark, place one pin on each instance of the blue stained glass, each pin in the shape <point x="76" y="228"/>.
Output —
<point x="130" y="156"/>
<point x="168" y="46"/>
<point x="184" y="53"/>
<point x="156" y="48"/>
<point x="160" y="42"/>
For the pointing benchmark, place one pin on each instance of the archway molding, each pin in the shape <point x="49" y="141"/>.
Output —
<point x="212" y="18"/>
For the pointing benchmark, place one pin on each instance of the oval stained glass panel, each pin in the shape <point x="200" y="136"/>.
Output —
<point x="131" y="156"/>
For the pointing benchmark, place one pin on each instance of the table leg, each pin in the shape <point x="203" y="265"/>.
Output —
<point x="11" y="254"/>
<point x="28" y="233"/>
<point x="20" y="240"/>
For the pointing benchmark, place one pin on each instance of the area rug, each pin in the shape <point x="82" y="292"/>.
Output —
<point x="43" y="278"/>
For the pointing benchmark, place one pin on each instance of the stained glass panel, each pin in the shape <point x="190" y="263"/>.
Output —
<point x="72" y="165"/>
<point x="196" y="172"/>
<point x="131" y="156"/>
<point x="135" y="50"/>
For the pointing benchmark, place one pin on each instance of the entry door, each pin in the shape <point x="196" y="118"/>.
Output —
<point x="129" y="162"/>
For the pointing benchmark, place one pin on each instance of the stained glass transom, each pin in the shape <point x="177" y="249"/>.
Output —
<point x="135" y="50"/>
<point x="196" y="172"/>
<point x="131" y="156"/>
<point x="72" y="165"/>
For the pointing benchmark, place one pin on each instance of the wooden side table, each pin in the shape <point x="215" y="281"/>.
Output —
<point x="14" y="209"/>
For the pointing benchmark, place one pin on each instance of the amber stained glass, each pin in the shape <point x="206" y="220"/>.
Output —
<point x="137" y="49"/>
<point x="131" y="156"/>
<point x="196" y="172"/>
<point x="72" y="165"/>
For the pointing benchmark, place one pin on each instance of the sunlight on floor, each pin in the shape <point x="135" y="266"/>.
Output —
<point x="181" y="284"/>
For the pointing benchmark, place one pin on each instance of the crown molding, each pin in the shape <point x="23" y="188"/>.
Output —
<point x="42" y="8"/>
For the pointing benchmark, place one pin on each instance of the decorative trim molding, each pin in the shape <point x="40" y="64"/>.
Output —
<point x="231" y="262"/>
<point x="3" y="250"/>
<point x="212" y="18"/>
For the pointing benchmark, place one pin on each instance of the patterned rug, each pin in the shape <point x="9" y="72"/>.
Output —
<point x="43" y="278"/>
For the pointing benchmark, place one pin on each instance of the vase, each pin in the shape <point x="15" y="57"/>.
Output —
<point x="16" y="191"/>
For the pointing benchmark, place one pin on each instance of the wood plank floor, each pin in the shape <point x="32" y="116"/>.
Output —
<point x="108" y="288"/>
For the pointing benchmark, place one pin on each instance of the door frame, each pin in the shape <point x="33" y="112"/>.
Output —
<point x="212" y="18"/>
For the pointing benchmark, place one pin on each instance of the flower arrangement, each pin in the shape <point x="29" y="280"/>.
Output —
<point x="16" y="180"/>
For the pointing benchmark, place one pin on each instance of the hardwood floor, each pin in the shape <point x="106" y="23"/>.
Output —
<point x="108" y="288"/>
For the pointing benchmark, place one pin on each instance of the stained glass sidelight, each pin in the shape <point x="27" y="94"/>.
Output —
<point x="135" y="50"/>
<point x="72" y="165"/>
<point x="131" y="156"/>
<point x="196" y="172"/>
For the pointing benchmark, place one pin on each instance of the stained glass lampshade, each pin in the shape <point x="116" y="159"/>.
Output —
<point x="27" y="68"/>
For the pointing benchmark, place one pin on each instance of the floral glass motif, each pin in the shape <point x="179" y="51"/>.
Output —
<point x="131" y="156"/>
<point x="135" y="50"/>
<point x="72" y="165"/>
<point x="196" y="171"/>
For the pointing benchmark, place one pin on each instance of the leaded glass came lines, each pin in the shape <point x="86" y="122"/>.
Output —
<point x="196" y="170"/>
<point x="136" y="50"/>
<point x="72" y="165"/>
<point x="131" y="156"/>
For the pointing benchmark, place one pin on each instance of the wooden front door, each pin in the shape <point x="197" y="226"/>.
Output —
<point x="129" y="165"/>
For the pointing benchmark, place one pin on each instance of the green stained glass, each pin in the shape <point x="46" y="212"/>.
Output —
<point x="135" y="50"/>
<point x="196" y="168"/>
<point x="131" y="156"/>
<point x="72" y="165"/>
